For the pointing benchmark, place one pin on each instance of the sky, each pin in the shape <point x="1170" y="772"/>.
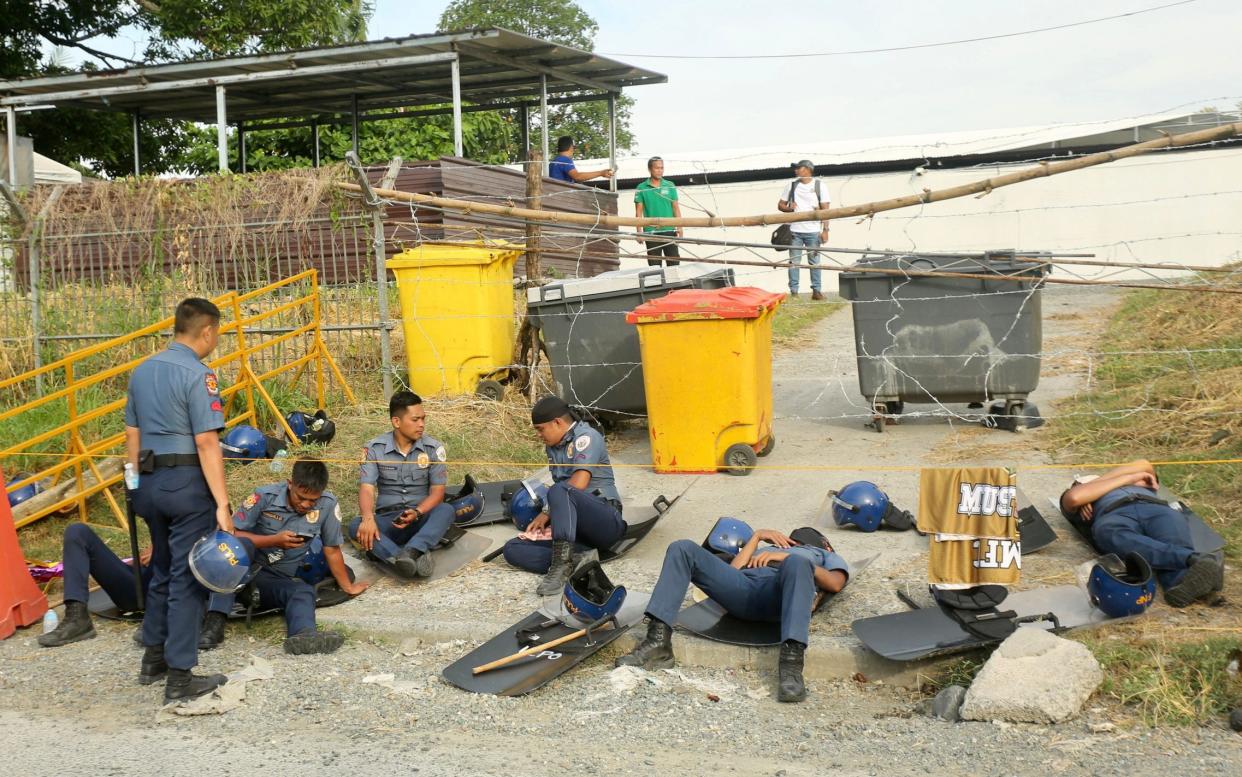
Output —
<point x="1141" y="64"/>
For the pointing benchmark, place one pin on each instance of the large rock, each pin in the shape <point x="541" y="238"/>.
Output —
<point x="1033" y="677"/>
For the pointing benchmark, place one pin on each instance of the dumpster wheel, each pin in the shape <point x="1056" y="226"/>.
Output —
<point x="490" y="389"/>
<point x="739" y="459"/>
<point x="769" y="445"/>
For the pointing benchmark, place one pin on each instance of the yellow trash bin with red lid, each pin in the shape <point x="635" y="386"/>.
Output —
<point x="707" y="371"/>
<point x="457" y="316"/>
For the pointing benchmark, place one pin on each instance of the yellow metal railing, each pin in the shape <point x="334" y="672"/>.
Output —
<point x="81" y="456"/>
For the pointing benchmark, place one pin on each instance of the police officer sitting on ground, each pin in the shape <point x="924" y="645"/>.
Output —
<point x="280" y="520"/>
<point x="774" y="585"/>
<point x="583" y="506"/>
<point x="86" y="556"/>
<point x="172" y="420"/>
<point x="402" y="494"/>
<point x="1124" y="515"/>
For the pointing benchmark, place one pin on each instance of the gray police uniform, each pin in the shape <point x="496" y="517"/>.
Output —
<point x="784" y="593"/>
<point x="172" y="397"/>
<point x="402" y="481"/>
<point x="267" y="512"/>
<point x="590" y="518"/>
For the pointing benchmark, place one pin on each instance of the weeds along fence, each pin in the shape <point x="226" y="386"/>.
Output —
<point x="89" y="263"/>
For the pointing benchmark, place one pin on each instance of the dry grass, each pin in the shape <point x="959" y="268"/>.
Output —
<point x="794" y="317"/>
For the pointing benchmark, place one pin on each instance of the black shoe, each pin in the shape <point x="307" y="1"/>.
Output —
<point x="212" y="634"/>
<point x="153" y="665"/>
<point x="423" y="563"/>
<point x="1199" y="581"/>
<point x="75" y="627"/>
<point x="184" y="685"/>
<point x="790" y="686"/>
<point x="654" y="652"/>
<point x="313" y="641"/>
<point x="405" y="564"/>
<point x="559" y="571"/>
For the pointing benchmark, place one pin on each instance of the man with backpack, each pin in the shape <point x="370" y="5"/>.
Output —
<point x="806" y="193"/>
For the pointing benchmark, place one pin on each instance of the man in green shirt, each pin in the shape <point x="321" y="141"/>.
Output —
<point x="657" y="198"/>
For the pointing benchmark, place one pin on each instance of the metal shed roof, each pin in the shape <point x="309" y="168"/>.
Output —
<point x="496" y="66"/>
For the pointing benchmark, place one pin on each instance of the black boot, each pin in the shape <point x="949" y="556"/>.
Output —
<point x="153" y="665"/>
<point x="560" y="570"/>
<point x="654" y="652"/>
<point x="789" y="672"/>
<point x="414" y="563"/>
<point x="212" y="632"/>
<point x="76" y="626"/>
<point x="1201" y="578"/>
<point x="184" y="685"/>
<point x="313" y="641"/>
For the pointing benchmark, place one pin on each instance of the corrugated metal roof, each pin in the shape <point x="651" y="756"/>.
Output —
<point x="901" y="147"/>
<point x="496" y="65"/>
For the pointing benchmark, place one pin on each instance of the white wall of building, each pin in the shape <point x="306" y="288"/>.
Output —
<point x="1178" y="207"/>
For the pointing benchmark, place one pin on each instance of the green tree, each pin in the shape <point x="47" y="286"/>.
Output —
<point x="171" y="30"/>
<point x="560" y="21"/>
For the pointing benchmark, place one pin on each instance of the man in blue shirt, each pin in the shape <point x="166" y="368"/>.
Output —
<point x="583" y="506"/>
<point x="280" y="521"/>
<point x="562" y="167"/>
<point x="774" y="585"/>
<point x="401" y="497"/>
<point x="1123" y="514"/>
<point x="172" y="420"/>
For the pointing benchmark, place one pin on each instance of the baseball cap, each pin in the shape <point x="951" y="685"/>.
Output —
<point x="803" y="163"/>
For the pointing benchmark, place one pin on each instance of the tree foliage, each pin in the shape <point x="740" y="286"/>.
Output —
<point x="560" y="21"/>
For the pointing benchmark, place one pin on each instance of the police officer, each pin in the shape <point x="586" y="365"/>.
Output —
<point x="584" y="508"/>
<point x="402" y="492"/>
<point x="281" y="520"/>
<point x="172" y="420"/>
<point x="773" y="585"/>
<point x="1121" y="511"/>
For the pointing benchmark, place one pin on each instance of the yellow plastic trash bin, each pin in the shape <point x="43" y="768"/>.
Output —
<point x="707" y="371"/>
<point x="457" y="316"/>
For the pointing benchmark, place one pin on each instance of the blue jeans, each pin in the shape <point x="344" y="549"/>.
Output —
<point x="783" y="593"/>
<point x="810" y="240"/>
<point x="1158" y="533"/>
<point x="420" y="535"/>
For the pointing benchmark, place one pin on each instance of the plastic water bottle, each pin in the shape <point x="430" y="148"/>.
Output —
<point x="50" y="621"/>
<point x="131" y="477"/>
<point x="278" y="461"/>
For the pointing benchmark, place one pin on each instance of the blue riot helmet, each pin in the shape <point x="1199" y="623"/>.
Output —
<point x="28" y="491"/>
<point x="313" y="429"/>
<point x="728" y="536"/>
<point x="221" y="562"/>
<point x="313" y="565"/>
<point x="244" y="442"/>
<point x="860" y="503"/>
<point x="527" y="503"/>
<point x="1121" y="587"/>
<point x="590" y="596"/>
<point x="468" y="503"/>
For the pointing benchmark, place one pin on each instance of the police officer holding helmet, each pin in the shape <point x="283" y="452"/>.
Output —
<point x="172" y="421"/>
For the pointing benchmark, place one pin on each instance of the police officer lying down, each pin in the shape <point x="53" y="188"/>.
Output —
<point x="781" y="584"/>
<point x="583" y="506"/>
<point x="280" y="520"/>
<point x="402" y="492"/>
<point x="1124" y="515"/>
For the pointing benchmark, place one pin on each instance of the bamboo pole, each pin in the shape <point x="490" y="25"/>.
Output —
<point x="1042" y="170"/>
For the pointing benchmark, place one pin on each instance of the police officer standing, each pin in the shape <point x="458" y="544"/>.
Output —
<point x="172" y="420"/>
<point x="584" y="508"/>
<point x="401" y="497"/>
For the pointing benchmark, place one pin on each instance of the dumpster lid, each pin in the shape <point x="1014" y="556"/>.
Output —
<point x="433" y="255"/>
<point x="622" y="281"/>
<point x="692" y="304"/>
<point x="1001" y="262"/>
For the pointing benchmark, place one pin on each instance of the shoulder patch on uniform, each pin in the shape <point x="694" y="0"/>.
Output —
<point x="336" y="511"/>
<point x="312" y="516"/>
<point x="441" y="454"/>
<point x="216" y="406"/>
<point x="213" y="388"/>
<point x="423" y="460"/>
<point x="365" y="451"/>
<point x="582" y="442"/>
<point x="251" y="501"/>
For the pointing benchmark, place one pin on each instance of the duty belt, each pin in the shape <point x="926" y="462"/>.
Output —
<point x="1122" y="501"/>
<point x="176" y="460"/>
